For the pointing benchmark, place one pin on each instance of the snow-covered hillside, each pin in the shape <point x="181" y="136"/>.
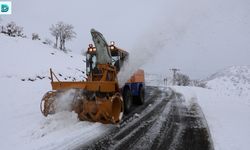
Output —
<point x="233" y="81"/>
<point x="24" y="58"/>
<point x="24" y="80"/>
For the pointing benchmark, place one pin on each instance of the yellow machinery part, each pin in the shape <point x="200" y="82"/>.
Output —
<point x="47" y="103"/>
<point x="103" y="110"/>
<point x="107" y="110"/>
<point x="96" y="100"/>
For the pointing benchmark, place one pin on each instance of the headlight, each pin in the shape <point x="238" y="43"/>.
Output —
<point x="112" y="43"/>
<point x="112" y="47"/>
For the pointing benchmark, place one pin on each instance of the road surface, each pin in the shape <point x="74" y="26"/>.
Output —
<point x="162" y="122"/>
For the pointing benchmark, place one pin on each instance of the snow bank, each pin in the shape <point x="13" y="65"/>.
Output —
<point x="228" y="119"/>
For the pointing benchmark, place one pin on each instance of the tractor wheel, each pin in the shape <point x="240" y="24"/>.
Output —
<point x="127" y="98"/>
<point x="140" y="98"/>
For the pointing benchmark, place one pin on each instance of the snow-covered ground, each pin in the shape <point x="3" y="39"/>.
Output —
<point x="226" y="106"/>
<point x="22" y="124"/>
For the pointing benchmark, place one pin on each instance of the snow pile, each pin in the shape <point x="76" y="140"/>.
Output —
<point x="232" y="81"/>
<point x="24" y="80"/>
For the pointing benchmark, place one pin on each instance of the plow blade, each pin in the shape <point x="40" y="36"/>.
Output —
<point x="107" y="110"/>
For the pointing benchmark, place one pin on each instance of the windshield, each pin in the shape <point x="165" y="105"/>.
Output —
<point x="115" y="59"/>
<point x="90" y="63"/>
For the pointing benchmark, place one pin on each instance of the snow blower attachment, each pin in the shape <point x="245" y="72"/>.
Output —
<point x="97" y="99"/>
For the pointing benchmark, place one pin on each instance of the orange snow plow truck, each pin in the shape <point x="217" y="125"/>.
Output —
<point x="99" y="98"/>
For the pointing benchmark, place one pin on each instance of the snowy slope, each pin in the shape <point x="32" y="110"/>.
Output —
<point x="25" y="58"/>
<point x="22" y="124"/>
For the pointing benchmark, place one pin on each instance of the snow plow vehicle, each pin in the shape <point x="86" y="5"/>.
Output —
<point x="99" y="98"/>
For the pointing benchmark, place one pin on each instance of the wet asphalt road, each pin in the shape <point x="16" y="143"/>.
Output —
<point x="163" y="122"/>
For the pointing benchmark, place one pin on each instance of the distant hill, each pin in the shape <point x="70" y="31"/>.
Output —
<point x="233" y="81"/>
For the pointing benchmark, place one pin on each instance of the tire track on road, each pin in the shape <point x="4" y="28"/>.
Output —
<point x="166" y="124"/>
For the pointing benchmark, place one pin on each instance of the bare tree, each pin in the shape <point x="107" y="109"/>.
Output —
<point x="62" y="32"/>
<point x="55" y="31"/>
<point x="67" y="34"/>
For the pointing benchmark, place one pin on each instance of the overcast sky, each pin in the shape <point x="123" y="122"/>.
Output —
<point x="199" y="37"/>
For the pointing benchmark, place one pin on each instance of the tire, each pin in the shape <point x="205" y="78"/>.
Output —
<point x="140" y="99"/>
<point x="127" y="98"/>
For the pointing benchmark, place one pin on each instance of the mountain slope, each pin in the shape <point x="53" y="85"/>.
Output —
<point x="233" y="81"/>
<point x="22" y="57"/>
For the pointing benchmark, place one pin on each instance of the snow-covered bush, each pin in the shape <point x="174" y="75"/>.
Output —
<point x="14" y="30"/>
<point x="198" y="83"/>
<point x="35" y="36"/>
<point x="182" y="79"/>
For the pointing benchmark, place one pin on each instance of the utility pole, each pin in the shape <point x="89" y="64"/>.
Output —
<point x="174" y="74"/>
